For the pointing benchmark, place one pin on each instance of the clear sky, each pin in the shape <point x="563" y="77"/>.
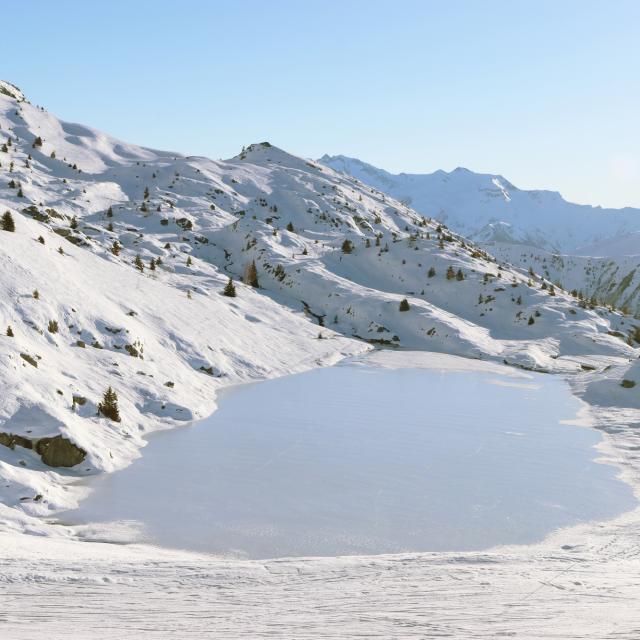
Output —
<point x="547" y="93"/>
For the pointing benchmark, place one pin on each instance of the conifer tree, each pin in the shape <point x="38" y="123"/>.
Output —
<point x="138" y="263"/>
<point x="290" y="227"/>
<point x="9" y="332"/>
<point x="229" y="290"/>
<point x="109" y="212"/>
<point x="431" y="273"/>
<point x="109" y="405"/>
<point x="115" y="248"/>
<point x="7" y="222"/>
<point x="459" y="275"/>
<point x="404" y="305"/>
<point x="347" y="247"/>
<point x="451" y="274"/>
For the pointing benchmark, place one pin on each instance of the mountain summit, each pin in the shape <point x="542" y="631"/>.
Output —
<point x="475" y="204"/>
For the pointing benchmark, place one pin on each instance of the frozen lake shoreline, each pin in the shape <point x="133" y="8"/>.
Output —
<point x="360" y="460"/>
<point x="578" y="583"/>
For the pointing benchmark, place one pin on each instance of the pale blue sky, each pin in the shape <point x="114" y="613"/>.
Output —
<point x="546" y="93"/>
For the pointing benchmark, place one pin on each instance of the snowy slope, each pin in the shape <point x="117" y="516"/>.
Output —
<point x="487" y="207"/>
<point x="165" y="338"/>
<point x="614" y="281"/>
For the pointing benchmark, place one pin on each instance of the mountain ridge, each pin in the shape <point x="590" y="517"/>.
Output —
<point x="469" y="201"/>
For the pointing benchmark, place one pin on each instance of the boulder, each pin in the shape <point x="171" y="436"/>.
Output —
<point x="60" y="452"/>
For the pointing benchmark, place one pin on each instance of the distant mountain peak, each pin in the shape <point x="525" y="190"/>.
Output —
<point x="472" y="202"/>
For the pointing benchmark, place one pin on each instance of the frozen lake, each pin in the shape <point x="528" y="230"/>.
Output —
<point x="354" y="459"/>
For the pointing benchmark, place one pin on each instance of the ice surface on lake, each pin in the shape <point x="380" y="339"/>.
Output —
<point x="352" y="459"/>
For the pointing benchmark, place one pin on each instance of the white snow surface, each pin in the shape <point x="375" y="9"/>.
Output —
<point x="179" y="329"/>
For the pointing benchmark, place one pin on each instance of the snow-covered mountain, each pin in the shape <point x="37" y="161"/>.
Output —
<point x="115" y="271"/>
<point x="491" y="211"/>
<point x="486" y="207"/>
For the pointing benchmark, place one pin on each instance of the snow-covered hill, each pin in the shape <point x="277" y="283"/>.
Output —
<point x="524" y="227"/>
<point x="129" y="250"/>
<point x="486" y="207"/>
<point x="614" y="281"/>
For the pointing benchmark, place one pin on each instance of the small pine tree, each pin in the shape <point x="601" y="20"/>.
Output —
<point x="229" y="289"/>
<point x="404" y="305"/>
<point x="53" y="326"/>
<point x="431" y="273"/>
<point x="138" y="263"/>
<point x="7" y="222"/>
<point x="189" y="261"/>
<point x="61" y="251"/>
<point x="74" y="223"/>
<point x="115" y="248"/>
<point x="36" y="294"/>
<point x="40" y="239"/>
<point x="109" y="405"/>
<point x="347" y="246"/>
<point x="9" y="332"/>
<point x="146" y="193"/>
<point x="37" y="142"/>
<point x="152" y="264"/>
<point x="20" y="192"/>
<point x="290" y="227"/>
<point x="459" y="275"/>
<point x="451" y="274"/>
<point x="109" y="212"/>
<point x="531" y="320"/>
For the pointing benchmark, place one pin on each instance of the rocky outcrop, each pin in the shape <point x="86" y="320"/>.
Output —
<point x="55" y="451"/>
<point x="11" y="440"/>
<point x="59" y="452"/>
